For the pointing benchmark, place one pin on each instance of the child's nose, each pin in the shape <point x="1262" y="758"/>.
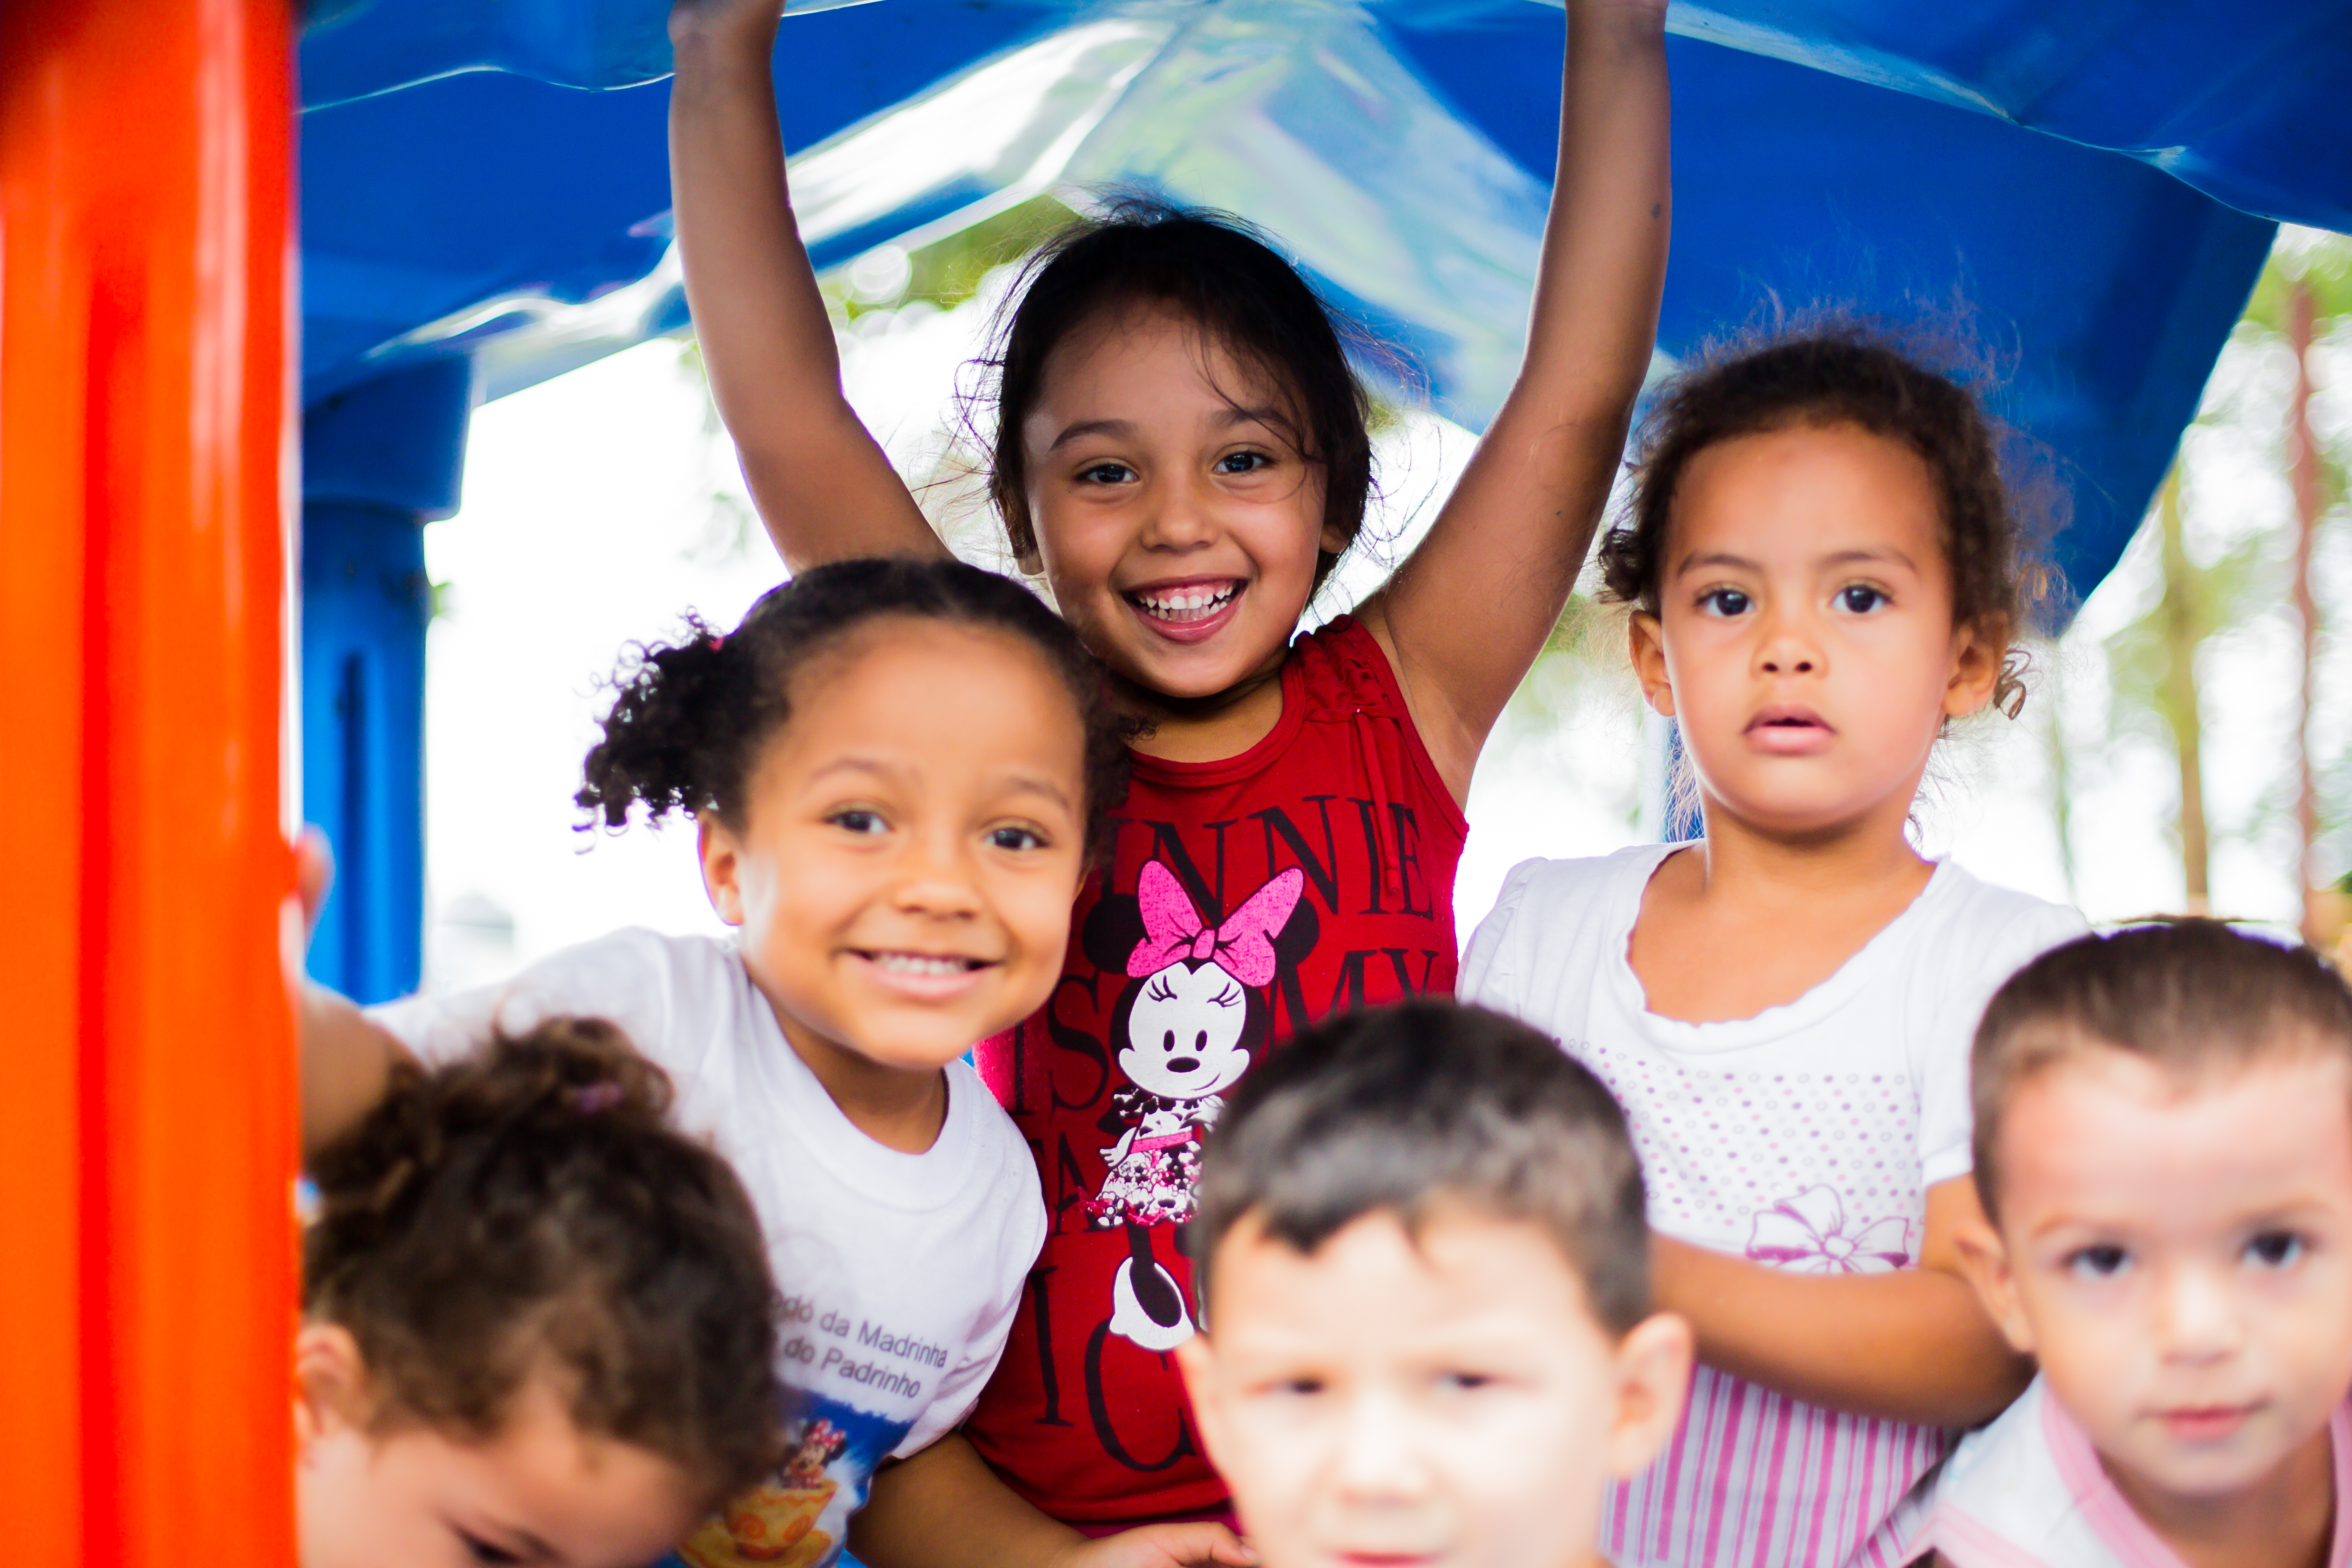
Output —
<point x="2198" y="1317"/>
<point x="935" y="878"/>
<point x="1787" y="650"/>
<point x="1378" y="1457"/>
<point x="1178" y="516"/>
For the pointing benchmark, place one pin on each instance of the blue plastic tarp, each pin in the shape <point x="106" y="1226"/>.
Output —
<point x="2090" y="181"/>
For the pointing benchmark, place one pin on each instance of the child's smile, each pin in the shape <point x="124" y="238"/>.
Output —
<point x="927" y="977"/>
<point x="1188" y="611"/>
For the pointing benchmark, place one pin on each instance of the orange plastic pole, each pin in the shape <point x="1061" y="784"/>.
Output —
<point x="146" y="1104"/>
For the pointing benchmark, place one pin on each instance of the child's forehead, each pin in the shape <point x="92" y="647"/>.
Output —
<point x="2290" y="1062"/>
<point x="2126" y="1133"/>
<point x="1450" y="1260"/>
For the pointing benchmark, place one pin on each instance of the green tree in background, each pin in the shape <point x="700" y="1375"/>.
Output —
<point x="2301" y="305"/>
<point x="2305" y="296"/>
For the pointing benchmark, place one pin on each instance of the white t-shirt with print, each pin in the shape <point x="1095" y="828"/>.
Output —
<point x="1803" y="1138"/>
<point x="900" y="1273"/>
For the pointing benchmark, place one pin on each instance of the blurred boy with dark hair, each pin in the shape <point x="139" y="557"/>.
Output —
<point x="1423" y="1267"/>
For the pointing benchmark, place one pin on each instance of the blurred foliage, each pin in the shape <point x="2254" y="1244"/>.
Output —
<point x="2243" y="575"/>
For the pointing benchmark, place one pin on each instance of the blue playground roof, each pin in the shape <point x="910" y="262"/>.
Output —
<point x="2097" y="182"/>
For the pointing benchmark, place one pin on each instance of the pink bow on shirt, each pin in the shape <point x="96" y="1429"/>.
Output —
<point x="1243" y="946"/>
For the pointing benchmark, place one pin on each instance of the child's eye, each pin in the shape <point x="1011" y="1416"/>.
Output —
<point x="1463" y="1382"/>
<point x="1242" y="462"/>
<point x="2103" y="1261"/>
<point x="1724" y="602"/>
<point x="861" y="822"/>
<point x="1105" y="474"/>
<point x="2275" y="1248"/>
<point x="1015" y="838"/>
<point x="1859" y="598"/>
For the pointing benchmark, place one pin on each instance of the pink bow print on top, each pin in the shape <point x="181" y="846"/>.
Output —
<point x="1808" y="1234"/>
<point x="1243" y="946"/>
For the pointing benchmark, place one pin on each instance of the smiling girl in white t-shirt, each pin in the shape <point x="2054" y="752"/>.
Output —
<point x="899" y="770"/>
<point x="1821" y="562"/>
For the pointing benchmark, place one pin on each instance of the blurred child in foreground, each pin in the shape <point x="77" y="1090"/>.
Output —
<point x="1424" y="1276"/>
<point x="2164" y="1144"/>
<point x="538" y="1325"/>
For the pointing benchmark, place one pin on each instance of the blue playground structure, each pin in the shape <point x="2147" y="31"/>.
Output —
<point x="484" y="194"/>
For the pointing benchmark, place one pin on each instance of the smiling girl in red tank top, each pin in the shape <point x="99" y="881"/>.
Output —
<point x="1180" y="457"/>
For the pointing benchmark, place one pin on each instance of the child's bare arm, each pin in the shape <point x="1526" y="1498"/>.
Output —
<point x="346" y="1066"/>
<point x="345" y="1061"/>
<point x="1913" y="1346"/>
<point x="824" y="487"/>
<point x="944" y="1508"/>
<point x="1464" y="618"/>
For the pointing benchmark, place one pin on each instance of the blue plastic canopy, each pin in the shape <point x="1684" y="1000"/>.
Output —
<point x="2092" y="186"/>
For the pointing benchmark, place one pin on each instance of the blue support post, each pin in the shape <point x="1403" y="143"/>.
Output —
<point x="379" y="461"/>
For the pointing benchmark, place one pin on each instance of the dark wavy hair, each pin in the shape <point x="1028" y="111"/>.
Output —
<point x="1842" y="372"/>
<point x="1219" y="273"/>
<point x="688" y="718"/>
<point x="527" y="1209"/>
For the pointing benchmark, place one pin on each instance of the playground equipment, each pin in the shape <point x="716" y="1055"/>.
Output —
<point x="483" y="191"/>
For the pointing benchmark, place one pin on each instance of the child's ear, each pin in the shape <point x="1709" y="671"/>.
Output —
<point x="1654" y="1374"/>
<point x="1647" y="645"/>
<point x="1196" y="1358"/>
<point x="1978" y="654"/>
<point x="721" y="860"/>
<point x="330" y="1384"/>
<point x="1984" y="1259"/>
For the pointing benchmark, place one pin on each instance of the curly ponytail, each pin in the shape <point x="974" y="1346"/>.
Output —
<point x="530" y="1205"/>
<point x="690" y="718"/>
<point x="677" y="716"/>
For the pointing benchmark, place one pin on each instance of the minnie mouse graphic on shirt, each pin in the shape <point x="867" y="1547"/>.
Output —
<point x="1194" y="1011"/>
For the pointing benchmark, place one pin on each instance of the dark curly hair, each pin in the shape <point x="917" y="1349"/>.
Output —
<point x="690" y="718"/>
<point x="1210" y="268"/>
<point x="1841" y="373"/>
<point x="527" y="1209"/>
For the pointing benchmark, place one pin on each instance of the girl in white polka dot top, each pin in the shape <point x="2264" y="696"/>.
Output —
<point x="1822" y="562"/>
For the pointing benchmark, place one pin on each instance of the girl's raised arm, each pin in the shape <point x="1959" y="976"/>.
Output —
<point x="1464" y="617"/>
<point x="822" y="486"/>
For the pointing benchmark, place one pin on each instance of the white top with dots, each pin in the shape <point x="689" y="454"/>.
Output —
<point x="1804" y="1138"/>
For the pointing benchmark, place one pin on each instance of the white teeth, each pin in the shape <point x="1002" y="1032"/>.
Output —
<point x="921" y="964"/>
<point x="1187" y="604"/>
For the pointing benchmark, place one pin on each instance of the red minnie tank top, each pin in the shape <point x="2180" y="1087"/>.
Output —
<point x="1243" y="900"/>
